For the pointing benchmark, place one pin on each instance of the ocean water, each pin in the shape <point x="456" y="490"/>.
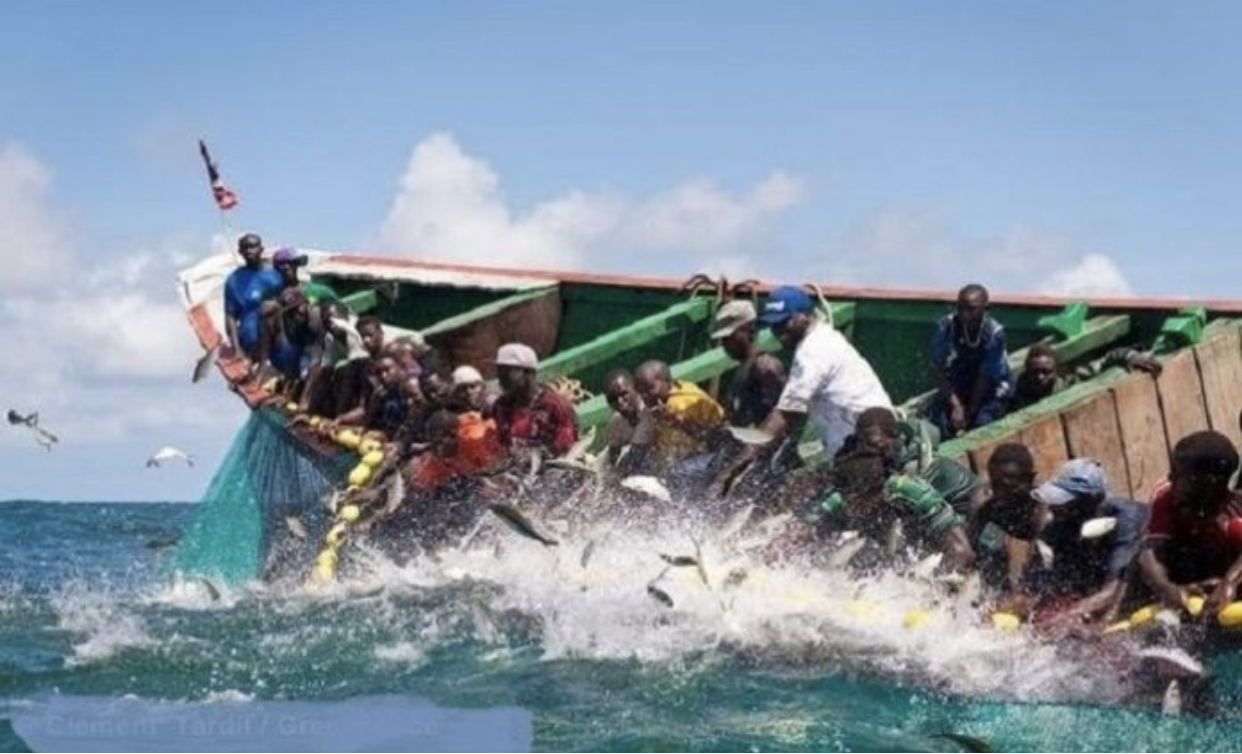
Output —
<point x="788" y="658"/>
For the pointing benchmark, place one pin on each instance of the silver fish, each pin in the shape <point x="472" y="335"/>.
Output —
<point x="520" y="524"/>
<point x="295" y="527"/>
<point x="587" y="552"/>
<point x="659" y="595"/>
<point x="204" y="364"/>
<point x="1171" y="703"/>
<point x="212" y="590"/>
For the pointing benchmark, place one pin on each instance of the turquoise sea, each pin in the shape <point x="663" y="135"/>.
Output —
<point x="782" y="661"/>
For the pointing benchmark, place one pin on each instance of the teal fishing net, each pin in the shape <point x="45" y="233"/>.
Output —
<point x="239" y="531"/>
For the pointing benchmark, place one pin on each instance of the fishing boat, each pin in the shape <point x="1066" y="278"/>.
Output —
<point x="582" y="325"/>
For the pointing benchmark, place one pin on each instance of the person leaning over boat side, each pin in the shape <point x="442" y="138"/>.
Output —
<point x="685" y="424"/>
<point x="909" y="447"/>
<point x="759" y="377"/>
<point x="866" y="498"/>
<point x="829" y="382"/>
<point x="355" y="383"/>
<point x="1089" y="575"/>
<point x="970" y="364"/>
<point x="291" y="338"/>
<point x="627" y="411"/>
<point x="528" y="413"/>
<point x="245" y="290"/>
<point x="1193" y="541"/>
<point x="1004" y="524"/>
<point x="470" y="393"/>
<point x="1041" y="375"/>
<point x="389" y="405"/>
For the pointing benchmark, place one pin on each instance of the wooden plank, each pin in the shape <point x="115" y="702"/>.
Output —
<point x="1220" y="367"/>
<point x="1142" y="434"/>
<point x="1046" y="441"/>
<point x="633" y="335"/>
<point x="1092" y="431"/>
<point x="1181" y="396"/>
<point x="485" y="311"/>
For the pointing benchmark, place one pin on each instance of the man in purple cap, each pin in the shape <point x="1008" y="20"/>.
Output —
<point x="829" y="383"/>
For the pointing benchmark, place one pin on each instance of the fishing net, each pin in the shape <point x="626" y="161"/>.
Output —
<point x="239" y="530"/>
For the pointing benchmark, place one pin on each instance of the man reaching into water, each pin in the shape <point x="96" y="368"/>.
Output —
<point x="1194" y="535"/>
<point x="830" y="382"/>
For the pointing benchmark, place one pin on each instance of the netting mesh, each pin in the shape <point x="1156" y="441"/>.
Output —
<point x="238" y="532"/>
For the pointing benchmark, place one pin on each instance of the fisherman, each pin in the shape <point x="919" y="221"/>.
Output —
<point x="1041" y="375"/>
<point x="1003" y="526"/>
<point x="760" y="376"/>
<point x="355" y="383"/>
<point x="686" y="423"/>
<point x="292" y="338"/>
<point x="245" y="290"/>
<point x="1194" y="534"/>
<point x="1090" y="569"/>
<point x="971" y="365"/>
<point x="459" y="446"/>
<point x="470" y="391"/>
<point x="829" y="381"/>
<point x="909" y="446"/>
<point x="866" y="498"/>
<point x="388" y="406"/>
<point x="628" y="410"/>
<point x="287" y="261"/>
<point x="528" y="414"/>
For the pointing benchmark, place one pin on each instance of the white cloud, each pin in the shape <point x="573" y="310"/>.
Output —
<point x="926" y="249"/>
<point x="104" y="355"/>
<point x="450" y="206"/>
<point x="33" y="235"/>
<point x="1094" y="275"/>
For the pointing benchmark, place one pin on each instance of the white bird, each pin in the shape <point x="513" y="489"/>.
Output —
<point x="166" y="454"/>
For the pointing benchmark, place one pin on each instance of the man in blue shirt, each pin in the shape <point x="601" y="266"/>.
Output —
<point x="245" y="290"/>
<point x="1090" y="567"/>
<point x="971" y="365"/>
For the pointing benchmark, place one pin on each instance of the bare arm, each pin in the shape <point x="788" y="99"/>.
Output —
<point x="1157" y="576"/>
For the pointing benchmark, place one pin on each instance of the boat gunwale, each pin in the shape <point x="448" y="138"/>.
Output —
<point x="830" y="290"/>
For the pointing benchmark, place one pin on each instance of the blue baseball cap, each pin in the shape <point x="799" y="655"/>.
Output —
<point x="1081" y="477"/>
<point x="783" y="303"/>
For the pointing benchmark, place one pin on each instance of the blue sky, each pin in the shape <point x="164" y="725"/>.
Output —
<point x="897" y="143"/>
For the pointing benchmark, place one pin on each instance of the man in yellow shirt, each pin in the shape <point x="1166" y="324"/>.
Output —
<point x="684" y="424"/>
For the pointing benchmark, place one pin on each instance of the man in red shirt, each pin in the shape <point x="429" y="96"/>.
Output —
<point x="527" y="413"/>
<point x="1194" y="535"/>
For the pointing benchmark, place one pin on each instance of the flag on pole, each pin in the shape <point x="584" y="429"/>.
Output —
<point x="224" y="196"/>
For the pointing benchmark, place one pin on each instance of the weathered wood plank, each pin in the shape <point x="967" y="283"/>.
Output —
<point x="1142" y="434"/>
<point x="1220" y="367"/>
<point x="1046" y="440"/>
<point x="1181" y="396"/>
<point x="1092" y="431"/>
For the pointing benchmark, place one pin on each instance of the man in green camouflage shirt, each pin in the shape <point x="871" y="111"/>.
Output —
<point x="909" y="447"/>
<point x="867" y="498"/>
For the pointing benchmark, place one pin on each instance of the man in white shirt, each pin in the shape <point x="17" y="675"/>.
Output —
<point x="829" y="381"/>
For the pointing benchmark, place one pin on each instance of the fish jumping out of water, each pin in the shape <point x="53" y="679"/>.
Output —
<point x="520" y="524"/>
<point x="659" y="595"/>
<point x="204" y="363"/>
